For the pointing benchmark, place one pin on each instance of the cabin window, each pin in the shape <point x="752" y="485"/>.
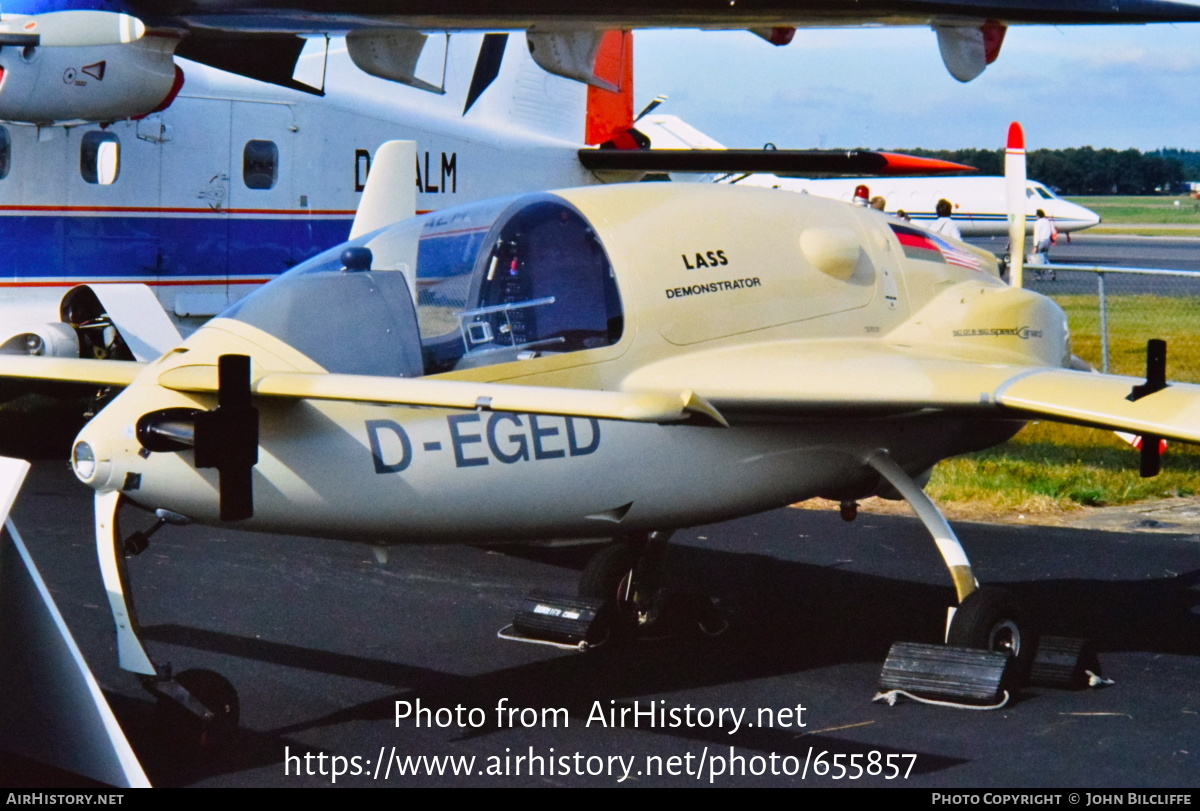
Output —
<point x="100" y="158"/>
<point x="260" y="164"/>
<point x="5" y="152"/>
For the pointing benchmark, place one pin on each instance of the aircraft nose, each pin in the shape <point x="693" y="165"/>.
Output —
<point x="1084" y="215"/>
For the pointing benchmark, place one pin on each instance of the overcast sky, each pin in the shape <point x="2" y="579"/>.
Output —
<point x="1110" y="86"/>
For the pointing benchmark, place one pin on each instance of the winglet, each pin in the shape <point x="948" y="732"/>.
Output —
<point x="390" y="195"/>
<point x="1014" y="177"/>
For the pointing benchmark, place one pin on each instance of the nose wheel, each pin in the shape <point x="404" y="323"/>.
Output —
<point x="625" y="575"/>
<point x="197" y="711"/>
<point x="991" y="619"/>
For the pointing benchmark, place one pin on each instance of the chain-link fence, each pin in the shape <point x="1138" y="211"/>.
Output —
<point x="1114" y="311"/>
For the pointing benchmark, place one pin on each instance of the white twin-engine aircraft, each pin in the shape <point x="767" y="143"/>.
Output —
<point x="618" y="360"/>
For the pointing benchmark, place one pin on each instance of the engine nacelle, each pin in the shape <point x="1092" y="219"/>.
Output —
<point x="48" y="339"/>
<point x="78" y="84"/>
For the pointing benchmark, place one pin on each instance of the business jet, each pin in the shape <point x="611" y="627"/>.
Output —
<point x="980" y="207"/>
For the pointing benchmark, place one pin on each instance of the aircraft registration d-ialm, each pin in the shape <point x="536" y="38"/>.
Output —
<point x="234" y="181"/>
<point x="618" y="360"/>
<point x="259" y="37"/>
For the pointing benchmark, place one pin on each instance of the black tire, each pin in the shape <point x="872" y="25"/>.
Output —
<point x="611" y="576"/>
<point x="992" y="619"/>
<point x="193" y="734"/>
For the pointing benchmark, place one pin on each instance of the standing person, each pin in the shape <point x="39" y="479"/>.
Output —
<point x="878" y="203"/>
<point x="1044" y="233"/>
<point x="943" y="224"/>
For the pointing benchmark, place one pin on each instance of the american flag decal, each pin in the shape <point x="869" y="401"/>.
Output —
<point x="921" y="244"/>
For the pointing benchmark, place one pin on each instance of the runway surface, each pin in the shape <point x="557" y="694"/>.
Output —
<point x="321" y="642"/>
<point x="1162" y="253"/>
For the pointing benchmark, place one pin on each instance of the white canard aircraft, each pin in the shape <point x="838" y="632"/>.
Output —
<point x="621" y="360"/>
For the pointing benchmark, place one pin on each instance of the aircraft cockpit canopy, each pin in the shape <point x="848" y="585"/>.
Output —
<point x="475" y="285"/>
<point x="1036" y="190"/>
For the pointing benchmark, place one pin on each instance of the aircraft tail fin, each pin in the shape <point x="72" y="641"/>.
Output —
<point x="610" y="113"/>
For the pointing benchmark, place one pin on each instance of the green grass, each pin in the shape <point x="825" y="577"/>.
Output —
<point x="1157" y="209"/>
<point x="1050" y="467"/>
<point x="1132" y="320"/>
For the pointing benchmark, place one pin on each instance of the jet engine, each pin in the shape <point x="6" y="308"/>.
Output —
<point x="91" y="83"/>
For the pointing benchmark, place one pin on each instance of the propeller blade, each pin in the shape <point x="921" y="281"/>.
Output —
<point x="227" y="437"/>
<point x="1014" y="181"/>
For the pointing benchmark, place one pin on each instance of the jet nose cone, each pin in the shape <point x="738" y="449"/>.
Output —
<point x="1086" y="217"/>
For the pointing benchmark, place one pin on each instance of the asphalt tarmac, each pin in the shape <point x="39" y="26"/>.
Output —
<point x="321" y="642"/>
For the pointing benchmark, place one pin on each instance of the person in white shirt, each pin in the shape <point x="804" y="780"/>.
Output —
<point x="1044" y="234"/>
<point x="943" y="224"/>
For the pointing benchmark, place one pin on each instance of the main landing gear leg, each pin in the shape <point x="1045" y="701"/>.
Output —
<point x="198" y="708"/>
<point x="987" y="617"/>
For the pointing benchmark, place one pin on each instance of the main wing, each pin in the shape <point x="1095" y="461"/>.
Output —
<point x="826" y="379"/>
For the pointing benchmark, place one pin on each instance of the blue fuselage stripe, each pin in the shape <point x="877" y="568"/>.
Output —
<point x="168" y="247"/>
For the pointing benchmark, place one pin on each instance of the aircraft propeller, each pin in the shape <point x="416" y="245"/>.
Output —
<point x="225" y="438"/>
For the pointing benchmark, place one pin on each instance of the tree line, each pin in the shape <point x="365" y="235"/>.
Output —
<point x="1087" y="171"/>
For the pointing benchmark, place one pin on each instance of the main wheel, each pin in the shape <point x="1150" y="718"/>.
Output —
<point x="187" y="730"/>
<point x="612" y="575"/>
<point x="992" y="619"/>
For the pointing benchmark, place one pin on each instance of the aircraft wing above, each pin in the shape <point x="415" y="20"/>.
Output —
<point x="262" y="38"/>
<point x="841" y="379"/>
<point x="331" y="15"/>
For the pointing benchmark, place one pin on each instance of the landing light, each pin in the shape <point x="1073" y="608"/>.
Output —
<point x="34" y="344"/>
<point x="83" y="459"/>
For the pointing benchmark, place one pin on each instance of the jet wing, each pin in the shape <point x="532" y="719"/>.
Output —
<point x="831" y="379"/>
<point x="637" y="406"/>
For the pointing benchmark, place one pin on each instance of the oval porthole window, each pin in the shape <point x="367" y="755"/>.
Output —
<point x="100" y="158"/>
<point x="5" y="153"/>
<point x="260" y="164"/>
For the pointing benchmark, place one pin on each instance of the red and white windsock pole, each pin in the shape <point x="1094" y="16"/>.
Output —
<point x="1014" y="181"/>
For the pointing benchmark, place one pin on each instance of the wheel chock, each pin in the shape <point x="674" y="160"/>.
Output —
<point x="944" y="674"/>
<point x="1065" y="663"/>
<point x="574" y="623"/>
